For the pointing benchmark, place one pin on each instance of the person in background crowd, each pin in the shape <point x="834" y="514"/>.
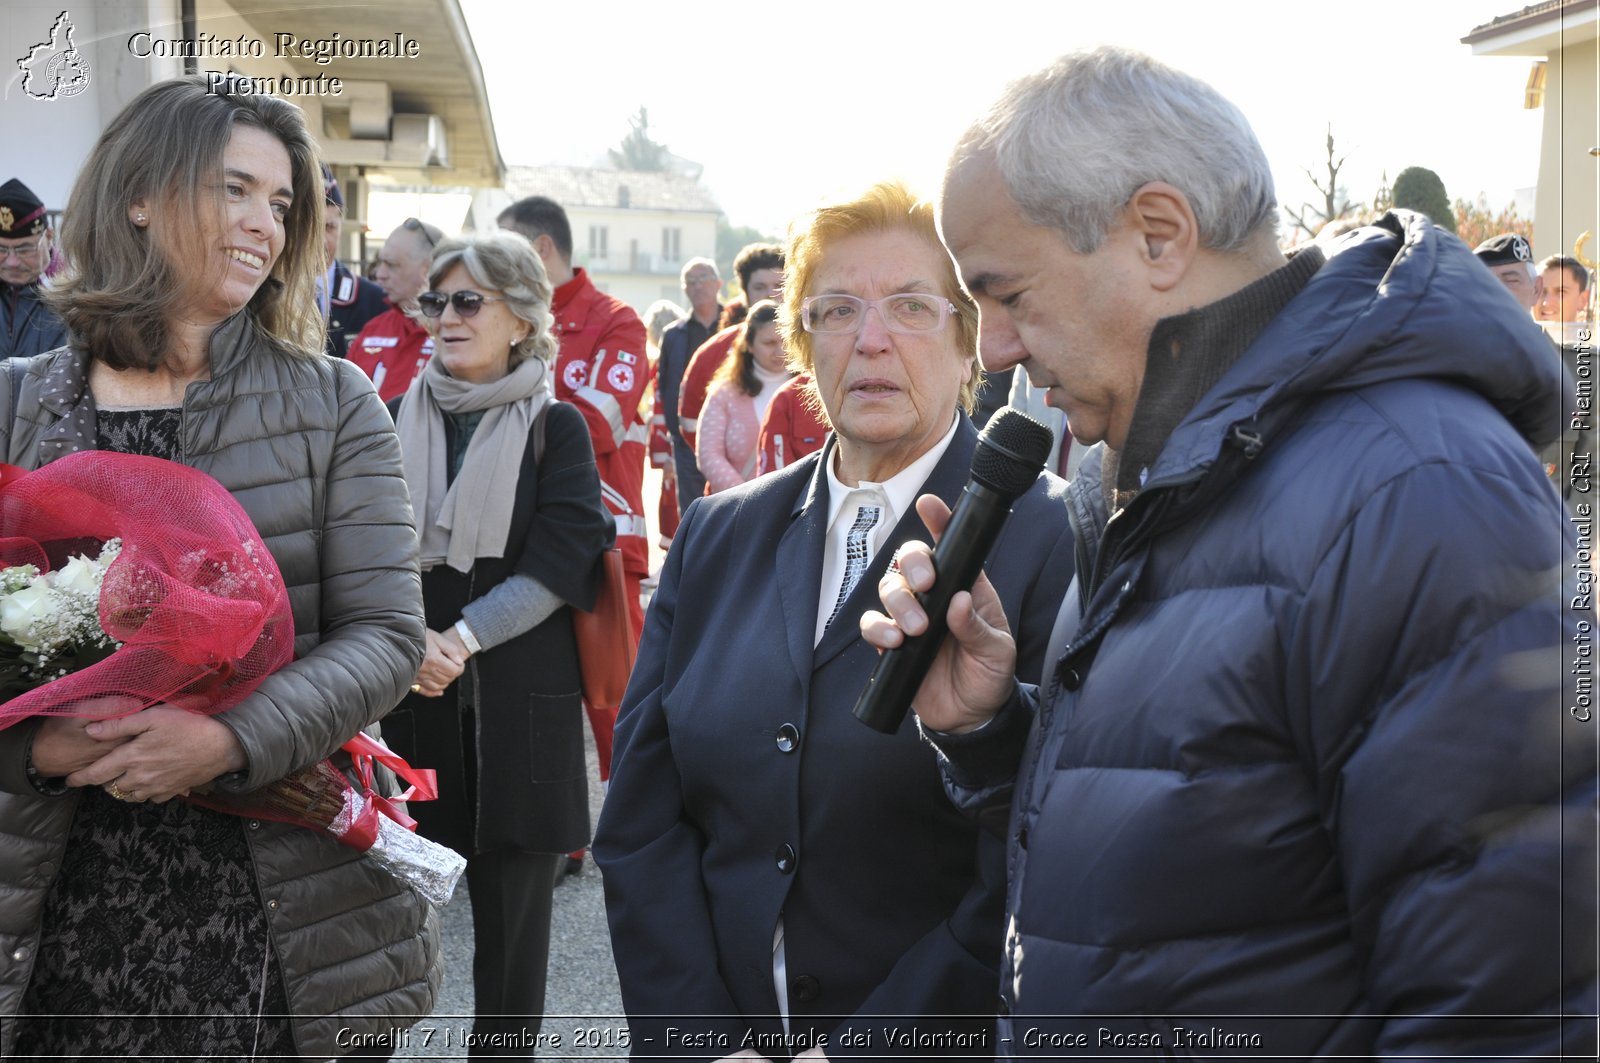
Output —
<point x="725" y="447"/>
<point x="393" y="347"/>
<point x="27" y="326"/>
<point x="1563" y="311"/>
<point x="793" y="426"/>
<point x="661" y="315"/>
<point x="139" y="926"/>
<point x="773" y="868"/>
<point x="601" y="369"/>
<point x="348" y="302"/>
<point x="1564" y="290"/>
<point x="759" y="268"/>
<point x="1302" y="780"/>
<point x="511" y="544"/>
<point x="1510" y="259"/>
<point x="701" y="286"/>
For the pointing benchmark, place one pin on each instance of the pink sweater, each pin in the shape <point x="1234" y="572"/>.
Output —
<point x="725" y="445"/>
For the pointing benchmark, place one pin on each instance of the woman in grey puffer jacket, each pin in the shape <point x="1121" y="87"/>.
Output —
<point x="193" y="233"/>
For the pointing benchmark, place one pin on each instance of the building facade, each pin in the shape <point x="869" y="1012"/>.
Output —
<point x="1559" y="36"/>
<point x="632" y="231"/>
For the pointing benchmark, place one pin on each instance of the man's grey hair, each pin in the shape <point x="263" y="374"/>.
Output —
<point x="1074" y="141"/>
<point x="683" y="274"/>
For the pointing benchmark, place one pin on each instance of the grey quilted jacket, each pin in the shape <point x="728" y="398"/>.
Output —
<point x="310" y="453"/>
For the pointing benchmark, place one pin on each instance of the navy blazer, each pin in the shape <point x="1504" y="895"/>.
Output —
<point x="743" y="788"/>
<point x="353" y="302"/>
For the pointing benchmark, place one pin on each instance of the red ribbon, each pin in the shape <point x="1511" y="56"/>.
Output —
<point x="364" y="750"/>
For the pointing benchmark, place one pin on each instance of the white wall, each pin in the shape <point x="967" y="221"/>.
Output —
<point x="655" y="277"/>
<point x="59" y="133"/>
<point x="47" y="140"/>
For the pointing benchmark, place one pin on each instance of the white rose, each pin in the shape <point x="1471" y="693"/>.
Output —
<point x="79" y="574"/>
<point x="21" y="610"/>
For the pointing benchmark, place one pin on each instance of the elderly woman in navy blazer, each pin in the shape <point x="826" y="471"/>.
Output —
<point x="779" y="877"/>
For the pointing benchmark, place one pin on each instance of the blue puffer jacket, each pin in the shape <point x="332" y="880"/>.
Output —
<point x="1305" y="779"/>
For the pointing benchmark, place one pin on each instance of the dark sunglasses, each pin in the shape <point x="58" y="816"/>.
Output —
<point x="417" y="227"/>
<point x="466" y="302"/>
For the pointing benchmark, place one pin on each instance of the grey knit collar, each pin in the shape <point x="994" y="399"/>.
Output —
<point x="1188" y="354"/>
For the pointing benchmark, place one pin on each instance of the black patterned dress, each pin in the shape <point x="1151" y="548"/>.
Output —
<point x="154" y="941"/>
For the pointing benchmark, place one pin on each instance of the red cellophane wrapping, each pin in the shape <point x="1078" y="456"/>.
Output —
<point x="194" y="597"/>
<point x="203" y="616"/>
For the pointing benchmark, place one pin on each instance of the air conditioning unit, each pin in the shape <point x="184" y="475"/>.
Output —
<point x="370" y="105"/>
<point x="419" y="140"/>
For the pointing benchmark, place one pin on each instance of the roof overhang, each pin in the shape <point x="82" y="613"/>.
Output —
<point x="432" y="109"/>
<point x="1538" y="31"/>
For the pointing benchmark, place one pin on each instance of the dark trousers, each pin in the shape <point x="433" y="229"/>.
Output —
<point x="691" y="481"/>
<point x="511" y="893"/>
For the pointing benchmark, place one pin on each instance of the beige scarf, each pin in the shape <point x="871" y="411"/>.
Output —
<point x="471" y="517"/>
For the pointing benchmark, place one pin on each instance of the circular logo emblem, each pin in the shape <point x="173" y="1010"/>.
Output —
<point x="621" y="377"/>
<point x="576" y="374"/>
<point x="67" y="73"/>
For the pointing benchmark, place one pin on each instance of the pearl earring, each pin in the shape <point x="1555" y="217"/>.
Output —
<point x="139" y="219"/>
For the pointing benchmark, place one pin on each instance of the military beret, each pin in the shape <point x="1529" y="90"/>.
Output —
<point x="1506" y="249"/>
<point x="21" y="213"/>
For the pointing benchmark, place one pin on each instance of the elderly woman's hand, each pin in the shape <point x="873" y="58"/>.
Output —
<point x="160" y="753"/>
<point x="446" y="660"/>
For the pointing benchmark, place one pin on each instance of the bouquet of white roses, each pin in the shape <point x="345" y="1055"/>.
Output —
<point x="50" y="621"/>
<point x="134" y="581"/>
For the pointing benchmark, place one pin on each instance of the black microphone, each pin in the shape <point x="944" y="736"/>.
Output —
<point x="1011" y="451"/>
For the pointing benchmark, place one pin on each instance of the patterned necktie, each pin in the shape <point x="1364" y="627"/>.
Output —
<point x="855" y="556"/>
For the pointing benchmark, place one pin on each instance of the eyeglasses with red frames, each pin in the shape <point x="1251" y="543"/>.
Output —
<point x="466" y="302"/>
<point x="901" y="312"/>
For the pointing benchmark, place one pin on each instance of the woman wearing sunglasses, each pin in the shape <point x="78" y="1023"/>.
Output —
<point x="780" y="878"/>
<point x="507" y="501"/>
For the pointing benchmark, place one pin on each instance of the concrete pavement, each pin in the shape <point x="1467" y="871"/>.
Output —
<point x="583" y="1006"/>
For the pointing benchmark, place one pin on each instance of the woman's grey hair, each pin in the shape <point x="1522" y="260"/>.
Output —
<point x="662" y="313"/>
<point x="1074" y="141"/>
<point x="504" y="261"/>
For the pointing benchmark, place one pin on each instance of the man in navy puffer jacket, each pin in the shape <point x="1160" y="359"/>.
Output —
<point x="1314" y="771"/>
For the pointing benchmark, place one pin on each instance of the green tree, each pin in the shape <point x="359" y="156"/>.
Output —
<point x="730" y="240"/>
<point x="1421" y="190"/>
<point x="637" y="151"/>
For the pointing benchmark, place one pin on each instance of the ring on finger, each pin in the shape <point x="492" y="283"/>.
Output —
<point x="111" y="788"/>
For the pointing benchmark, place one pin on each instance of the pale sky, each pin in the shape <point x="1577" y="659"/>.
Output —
<point x="787" y="102"/>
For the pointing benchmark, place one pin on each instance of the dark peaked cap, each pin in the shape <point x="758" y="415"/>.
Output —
<point x="21" y="212"/>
